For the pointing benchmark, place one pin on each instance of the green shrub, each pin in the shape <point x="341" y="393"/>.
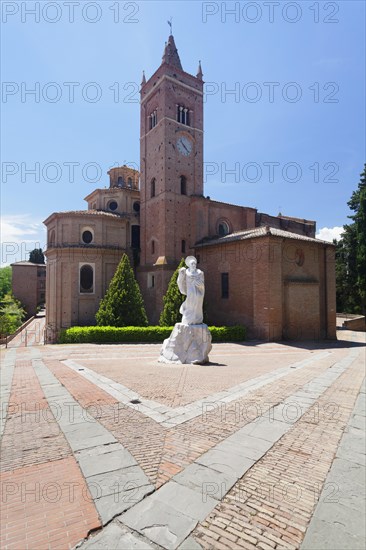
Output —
<point x="11" y="314"/>
<point x="98" y="335"/>
<point x="172" y="300"/>
<point x="122" y="304"/>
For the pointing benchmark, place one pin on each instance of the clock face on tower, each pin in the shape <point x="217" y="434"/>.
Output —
<point x="184" y="146"/>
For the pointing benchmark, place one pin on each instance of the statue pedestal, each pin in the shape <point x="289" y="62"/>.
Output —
<point x="187" y="344"/>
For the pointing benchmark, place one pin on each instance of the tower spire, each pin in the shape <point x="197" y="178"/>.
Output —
<point x="170" y="55"/>
<point x="143" y="81"/>
<point x="199" y="71"/>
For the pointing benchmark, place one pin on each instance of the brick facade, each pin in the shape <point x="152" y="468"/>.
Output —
<point x="161" y="214"/>
<point x="29" y="285"/>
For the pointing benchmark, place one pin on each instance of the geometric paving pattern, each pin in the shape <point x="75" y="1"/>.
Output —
<point x="246" y="453"/>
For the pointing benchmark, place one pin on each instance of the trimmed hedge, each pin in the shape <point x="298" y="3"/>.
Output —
<point x="98" y="335"/>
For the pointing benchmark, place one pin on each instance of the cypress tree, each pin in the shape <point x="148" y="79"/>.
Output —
<point x="351" y="255"/>
<point x="173" y="299"/>
<point x="36" y="256"/>
<point x="122" y="305"/>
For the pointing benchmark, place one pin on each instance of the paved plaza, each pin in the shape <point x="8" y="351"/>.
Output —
<point x="105" y="448"/>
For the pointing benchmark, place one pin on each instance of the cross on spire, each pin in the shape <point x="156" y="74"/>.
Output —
<point x="170" y="23"/>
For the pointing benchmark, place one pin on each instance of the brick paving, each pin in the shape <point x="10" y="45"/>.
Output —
<point x="45" y="502"/>
<point x="45" y="506"/>
<point x="181" y="384"/>
<point x="163" y="453"/>
<point x="269" y="507"/>
<point x="272" y="504"/>
<point x="31" y="434"/>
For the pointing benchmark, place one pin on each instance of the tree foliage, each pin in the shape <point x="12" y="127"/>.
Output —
<point x="351" y="255"/>
<point x="5" y="281"/>
<point x="36" y="256"/>
<point x="173" y="299"/>
<point x="122" y="304"/>
<point x="11" y="314"/>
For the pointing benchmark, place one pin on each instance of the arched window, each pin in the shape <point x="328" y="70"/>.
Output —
<point x="152" y="188"/>
<point x="183" y="115"/>
<point x="120" y="181"/>
<point x="183" y="247"/>
<point x="52" y="238"/>
<point x="223" y="228"/>
<point x="183" y="185"/>
<point x="129" y="182"/>
<point x="153" y="119"/>
<point x="86" y="279"/>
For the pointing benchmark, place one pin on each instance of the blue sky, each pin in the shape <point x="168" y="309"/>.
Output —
<point x="291" y="132"/>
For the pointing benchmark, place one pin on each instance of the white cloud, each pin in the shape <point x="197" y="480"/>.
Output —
<point x="329" y="233"/>
<point x="20" y="233"/>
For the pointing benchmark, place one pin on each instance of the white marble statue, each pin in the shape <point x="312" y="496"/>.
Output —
<point x="190" y="340"/>
<point x="191" y="283"/>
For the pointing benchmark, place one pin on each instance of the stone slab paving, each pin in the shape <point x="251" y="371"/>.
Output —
<point x="115" y="480"/>
<point x="116" y="537"/>
<point x="189" y="495"/>
<point x="225" y="453"/>
<point x="7" y="372"/>
<point x="179" y="385"/>
<point x="271" y="505"/>
<point x="169" y="417"/>
<point x="164" y="453"/>
<point x="339" y="523"/>
<point x="45" y="502"/>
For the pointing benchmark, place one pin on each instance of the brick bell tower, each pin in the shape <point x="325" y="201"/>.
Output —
<point x="171" y="173"/>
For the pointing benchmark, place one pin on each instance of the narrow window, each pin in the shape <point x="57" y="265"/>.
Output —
<point x="129" y="182"/>
<point x="135" y="236"/>
<point x="183" y="115"/>
<point x="183" y="185"/>
<point x="183" y="246"/>
<point x="224" y="285"/>
<point x="120" y="181"/>
<point x="186" y="117"/>
<point x="153" y="119"/>
<point x="86" y="279"/>
<point x="152" y="194"/>
<point x="152" y="247"/>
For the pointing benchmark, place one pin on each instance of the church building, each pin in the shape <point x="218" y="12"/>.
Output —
<point x="269" y="273"/>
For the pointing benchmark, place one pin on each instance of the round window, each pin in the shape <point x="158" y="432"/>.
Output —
<point x="113" y="206"/>
<point x="136" y="206"/>
<point x="87" y="236"/>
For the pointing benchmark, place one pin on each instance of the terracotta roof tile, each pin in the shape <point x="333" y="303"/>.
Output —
<point x="256" y="232"/>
